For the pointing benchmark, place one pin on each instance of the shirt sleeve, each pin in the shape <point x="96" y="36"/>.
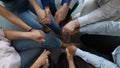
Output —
<point x="66" y="1"/>
<point x="106" y="11"/>
<point x="45" y="3"/>
<point x="96" y="61"/>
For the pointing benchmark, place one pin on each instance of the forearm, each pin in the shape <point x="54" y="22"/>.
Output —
<point x="95" y="60"/>
<point x="106" y="11"/>
<point x="71" y="63"/>
<point x="36" y="65"/>
<point x="10" y="34"/>
<point x="36" y="6"/>
<point x="65" y="6"/>
<point x="13" y="18"/>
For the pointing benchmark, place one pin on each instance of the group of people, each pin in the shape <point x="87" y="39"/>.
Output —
<point x="99" y="17"/>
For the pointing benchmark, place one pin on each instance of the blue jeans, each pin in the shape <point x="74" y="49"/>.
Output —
<point x="28" y="49"/>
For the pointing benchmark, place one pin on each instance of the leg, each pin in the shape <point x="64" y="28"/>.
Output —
<point x="102" y="43"/>
<point x="26" y="16"/>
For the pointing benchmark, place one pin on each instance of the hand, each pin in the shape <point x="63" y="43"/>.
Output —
<point x="61" y="14"/>
<point x="42" y="59"/>
<point x="42" y="17"/>
<point x="46" y="65"/>
<point x="48" y="13"/>
<point x="72" y="49"/>
<point x="69" y="55"/>
<point x="70" y="26"/>
<point x="37" y="35"/>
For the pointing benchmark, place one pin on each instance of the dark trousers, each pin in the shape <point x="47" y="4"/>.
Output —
<point x="102" y="43"/>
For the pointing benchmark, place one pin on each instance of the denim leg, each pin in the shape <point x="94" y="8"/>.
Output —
<point x="28" y="18"/>
<point x="54" y="26"/>
<point x="28" y="57"/>
<point x="103" y="28"/>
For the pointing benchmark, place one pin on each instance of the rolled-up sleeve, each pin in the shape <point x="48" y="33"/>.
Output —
<point x="106" y="11"/>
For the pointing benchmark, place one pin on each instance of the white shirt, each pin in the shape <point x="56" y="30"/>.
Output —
<point x="9" y="58"/>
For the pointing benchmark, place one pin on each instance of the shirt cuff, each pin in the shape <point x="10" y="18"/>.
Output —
<point x="78" y="52"/>
<point x="84" y="20"/>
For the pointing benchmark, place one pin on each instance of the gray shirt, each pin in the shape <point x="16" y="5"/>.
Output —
<point x="107" y="9"/>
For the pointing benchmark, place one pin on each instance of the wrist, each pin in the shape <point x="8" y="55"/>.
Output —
<point x="77" y="23"/>
<point x="65" y="5"/>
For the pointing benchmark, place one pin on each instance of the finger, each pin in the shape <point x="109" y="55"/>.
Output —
<point x="55" y="17"/>
<point x="42" y="32"/>
<point x="41" y="40"/>
<point x="64" y="30"/>
<point x="67" y="51"/>
<point x="43" y="52"/>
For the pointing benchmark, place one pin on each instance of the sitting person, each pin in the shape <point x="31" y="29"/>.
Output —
<point x="8" y="55"/>
<point x="96" y="61"/>
<point x="97" y="17"/>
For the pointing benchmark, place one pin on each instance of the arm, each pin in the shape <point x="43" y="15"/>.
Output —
<point x="40" y="12"/>
<point x="96" y="61"/>
<point x="13" y="19"/>
<point x="106" y="11"/>
<point x="70" y="59"/>
<point x="61" y="13"/>
<point x="35" y="35"/>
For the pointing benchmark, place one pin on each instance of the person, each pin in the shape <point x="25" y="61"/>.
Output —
<point x="64" y="61"/>
<point x="8" y="55"/>
<point x="27" y="47"/>
<point x="96" y="61"/>
<point x="42" y="60"/>
<point x="97" y="17"/>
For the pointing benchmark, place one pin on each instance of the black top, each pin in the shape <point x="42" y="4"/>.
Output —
<point x="7" y="0"/>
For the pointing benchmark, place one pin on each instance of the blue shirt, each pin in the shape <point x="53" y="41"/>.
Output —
<point x="46" y="2"/>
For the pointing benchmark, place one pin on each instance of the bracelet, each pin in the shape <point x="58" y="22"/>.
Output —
<point x="30" y="29"/>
